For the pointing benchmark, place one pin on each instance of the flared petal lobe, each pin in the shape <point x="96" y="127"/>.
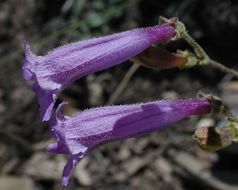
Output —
<point x="78" y="134"/>
<point x="55" y="71"/>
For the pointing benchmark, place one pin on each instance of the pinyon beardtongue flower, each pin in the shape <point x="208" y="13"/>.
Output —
<point x="59" y="68"/>
<point x="79" y="134"/>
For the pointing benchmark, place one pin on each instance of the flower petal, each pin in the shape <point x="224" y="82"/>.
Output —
<point x="62" y="66"/>
<point x="68" y="169"/>
<point x="82" y="132"/>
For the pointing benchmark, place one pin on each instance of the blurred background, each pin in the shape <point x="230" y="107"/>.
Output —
<point x="164" y="160"/>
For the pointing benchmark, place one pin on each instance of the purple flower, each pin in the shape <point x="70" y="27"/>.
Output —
<point x="55" y="71"/>
<point x="79" y="134"/>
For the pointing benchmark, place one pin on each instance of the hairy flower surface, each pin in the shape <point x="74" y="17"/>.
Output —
<point x="79" y="134"/>
<point x="55" y="71"/>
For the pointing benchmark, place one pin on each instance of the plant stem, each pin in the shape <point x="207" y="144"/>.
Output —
<point x="200" y="53"/>
<point x="203" y="58"/>
<point x="223" y="68"/>
<point x="122" y="85"/>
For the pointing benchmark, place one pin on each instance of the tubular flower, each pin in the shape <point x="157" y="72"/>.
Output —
<point x="77" y="135"/>
<point x="55" y="71"/>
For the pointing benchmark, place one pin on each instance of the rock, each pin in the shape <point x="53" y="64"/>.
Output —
<point x="230" y="86"/>
<point x="133" y="165"/>
<point x="129" y="168"/>
<point x="19" y="183"/>
<point x="82" y="174"/>
<point x="142" y="143"/>
<point x="120" y="176"/>
<point x="164" y="168"/>
<point x="162" y="165"/>
<point x="229" y="95"/>
<point x="124" y="153"/>
<point x="44" y="166"/>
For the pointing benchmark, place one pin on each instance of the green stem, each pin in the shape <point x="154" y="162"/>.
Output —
<point x="223" y="68"/>
<point x="200" y="53"/>
<point x="203" y="58"/>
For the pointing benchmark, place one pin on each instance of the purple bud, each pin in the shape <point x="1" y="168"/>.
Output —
<point x="79" y="134"/>
<point x="59" y="68"/>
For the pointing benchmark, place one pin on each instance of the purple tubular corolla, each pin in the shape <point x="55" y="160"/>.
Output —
<point x="79" y="134"/>
<point x="59" y="68"/>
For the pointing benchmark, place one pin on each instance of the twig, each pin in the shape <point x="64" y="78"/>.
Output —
<point x="223" y="68"/>
<point x="123" y="84"/>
